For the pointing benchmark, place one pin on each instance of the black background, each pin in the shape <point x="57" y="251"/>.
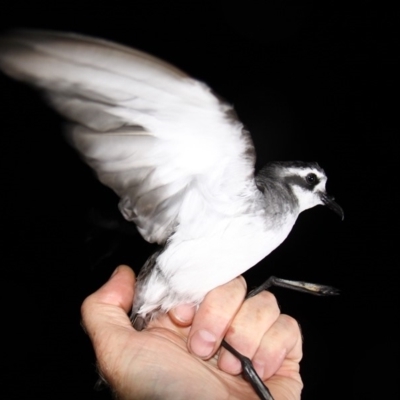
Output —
<point x="312" y="81"/>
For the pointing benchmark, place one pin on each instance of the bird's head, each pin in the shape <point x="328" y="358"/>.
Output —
<point x="307" y="181"/>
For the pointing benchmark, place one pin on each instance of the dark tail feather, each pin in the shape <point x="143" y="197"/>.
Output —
<point x="140" y="322"/>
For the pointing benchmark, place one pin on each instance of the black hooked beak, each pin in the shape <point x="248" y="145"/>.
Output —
<point x="330" y="202"/>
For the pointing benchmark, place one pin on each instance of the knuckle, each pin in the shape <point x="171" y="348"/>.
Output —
<point x="87" y="308"/>
<point x="268" y="301"/>
<point x="290" y="323"/>
<point x="268" y="297"/>
<point x="240" y="284"/>
<point x="86" y="305"/>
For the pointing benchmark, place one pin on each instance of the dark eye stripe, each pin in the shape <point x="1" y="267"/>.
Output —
<point x="302" y="181"/>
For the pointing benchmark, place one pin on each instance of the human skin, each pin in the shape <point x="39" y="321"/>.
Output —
<point x="178" y="356"/>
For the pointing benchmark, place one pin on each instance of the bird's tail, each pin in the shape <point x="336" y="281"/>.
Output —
<point x="140" y="320"/>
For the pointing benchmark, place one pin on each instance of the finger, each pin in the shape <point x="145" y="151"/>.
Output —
<point x="214" y="316"/>
<point x="104" y="315"/>
<point x="282" y="387"/>
<point x="110" y="304"/>
<point x="183" y="315"/>
<point x="253" y="320"/>
<point x="280" y="349"/>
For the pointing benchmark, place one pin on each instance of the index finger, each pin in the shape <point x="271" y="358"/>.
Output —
<point x="214" y="317"/>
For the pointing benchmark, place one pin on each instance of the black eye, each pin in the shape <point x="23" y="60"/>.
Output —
<point x="311" y="179"/>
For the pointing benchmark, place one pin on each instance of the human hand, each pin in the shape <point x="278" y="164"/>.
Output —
<point x="170" y="358"/>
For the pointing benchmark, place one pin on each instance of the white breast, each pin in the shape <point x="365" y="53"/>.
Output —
<point x="192" y="266"/>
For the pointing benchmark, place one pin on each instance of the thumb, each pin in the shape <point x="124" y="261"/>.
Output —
<point x="110" y="304"/>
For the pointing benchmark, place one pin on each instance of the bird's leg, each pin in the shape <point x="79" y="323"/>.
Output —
<point x="300" y="286"/>
<point x="248" y="370"/>
<point x="250" y="373"/>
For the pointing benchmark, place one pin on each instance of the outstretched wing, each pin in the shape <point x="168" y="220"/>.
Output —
<point x="151" y="133"/>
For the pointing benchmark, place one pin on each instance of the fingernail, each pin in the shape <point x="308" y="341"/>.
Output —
<point x="184" y="313"/>
<point x="259" y="367"/>
<point x="115" y="272"/>
<point x="202" y="343"/>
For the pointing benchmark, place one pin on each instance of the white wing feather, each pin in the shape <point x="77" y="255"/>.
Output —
<point x="151" y="133"/>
